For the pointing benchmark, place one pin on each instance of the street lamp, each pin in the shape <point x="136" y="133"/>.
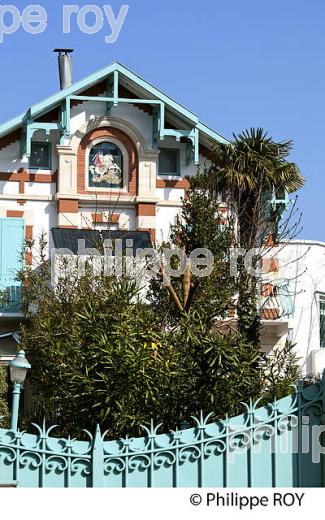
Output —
<point x="18" y="372"/>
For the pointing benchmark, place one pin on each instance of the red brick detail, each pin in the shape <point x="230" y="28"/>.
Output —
<point x="29" y="232"/>
<point x="28" y="258"/>
<point x="22" y="183"/>
<point x="67" y="206"/>
<point x="267" y="290"/>
<point x="23" y="176"/>
<point x="176" y="184"/>
<point x="131" y="150"/>
<point x="14" y="214"/>
<point x="269" y="265"/>
<point x="146" y="209"/>
<point x="270" y="314"/>
<point x="29" y="236"/>
<point x="21" y="202"/>
<point x="99" y="218"/>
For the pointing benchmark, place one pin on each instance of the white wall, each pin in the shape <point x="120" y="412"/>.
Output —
<point x="10" y="156"/>
<point x="166" y="216"/>
<point x="303" y="264"/>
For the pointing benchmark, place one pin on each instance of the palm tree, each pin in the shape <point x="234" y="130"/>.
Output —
<point x="248" y="171"/>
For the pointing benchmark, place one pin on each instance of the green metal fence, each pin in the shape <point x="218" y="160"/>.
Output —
<point x="276" y="445"/>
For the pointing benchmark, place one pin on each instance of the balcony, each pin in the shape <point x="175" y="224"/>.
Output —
<point x="10" y="297"/>
<point x="276" y="307"/>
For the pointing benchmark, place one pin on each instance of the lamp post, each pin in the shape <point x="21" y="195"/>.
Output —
<point x="18" y="373"/>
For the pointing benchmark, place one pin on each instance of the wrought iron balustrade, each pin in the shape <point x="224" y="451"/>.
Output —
<point x="261" y="448"/>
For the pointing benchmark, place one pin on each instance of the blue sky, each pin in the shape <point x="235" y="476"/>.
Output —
<point x="236" y="64"/>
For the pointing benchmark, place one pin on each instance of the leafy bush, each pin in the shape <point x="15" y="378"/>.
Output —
<point x="4" y="412"/>
<point x="99" y="354"/>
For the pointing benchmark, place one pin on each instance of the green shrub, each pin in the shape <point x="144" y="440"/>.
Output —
<point x="4" y="412"/>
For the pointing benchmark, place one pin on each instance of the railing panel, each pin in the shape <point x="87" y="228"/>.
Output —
<point x="274" y="445"/>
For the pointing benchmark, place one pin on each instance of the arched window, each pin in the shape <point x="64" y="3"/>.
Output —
<point x="105" y="166"/>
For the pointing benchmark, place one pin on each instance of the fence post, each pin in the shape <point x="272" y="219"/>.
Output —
<point x="98" y="460"/>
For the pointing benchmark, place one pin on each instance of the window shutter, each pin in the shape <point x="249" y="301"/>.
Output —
<point x="12" y="236"/>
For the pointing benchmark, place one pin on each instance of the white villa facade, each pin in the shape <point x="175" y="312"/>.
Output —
<point x="114" y="149"/>
<point x="302" y="267"/>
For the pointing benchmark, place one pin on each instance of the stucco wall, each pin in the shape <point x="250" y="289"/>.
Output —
<point x="303" y="264"/>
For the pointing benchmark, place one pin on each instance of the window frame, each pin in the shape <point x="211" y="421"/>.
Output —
<point x="178" y="152"/>
<point x="43" y="168"/>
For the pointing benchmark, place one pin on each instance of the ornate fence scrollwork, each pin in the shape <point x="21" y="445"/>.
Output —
<point x="262" y="447"/>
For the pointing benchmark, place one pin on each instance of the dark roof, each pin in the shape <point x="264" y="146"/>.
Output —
<point x="68" y="238"/>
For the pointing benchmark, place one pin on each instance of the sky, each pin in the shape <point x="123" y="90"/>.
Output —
<point x="235" y="63"/>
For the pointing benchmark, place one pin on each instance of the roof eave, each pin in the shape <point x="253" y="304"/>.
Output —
<point x="54" y="100"/>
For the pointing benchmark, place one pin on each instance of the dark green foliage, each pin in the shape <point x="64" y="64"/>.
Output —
<point x="281" y="371"/>
<point x="217" y="372"/>
<point x="3" y="397"/>
<point x="199" y="225"/>
<point x="103" y="357"/>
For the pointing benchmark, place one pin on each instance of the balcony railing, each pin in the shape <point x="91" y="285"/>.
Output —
<point x="279" y="304"/>
<point x="10" y="295"/>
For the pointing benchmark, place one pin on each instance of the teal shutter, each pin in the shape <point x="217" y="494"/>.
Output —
<point x="12" y="236"/>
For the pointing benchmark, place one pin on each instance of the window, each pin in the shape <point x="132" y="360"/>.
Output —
<point x="169" y="162"/>
<point x="322" y="320"/>
<point x="105" y="166"/>
<point x="40" y="158"/>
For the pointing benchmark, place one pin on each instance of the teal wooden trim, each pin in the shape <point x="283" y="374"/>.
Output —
<point x="115" y="87"/>
<point x="109" y="94"/>
<point x="180" y="133"/>
<point x="211" y="133"/>
<point x="63" y="122"/>
<point x="48" y="127"/>
<point x="196" y="146"/>
<point x="263" y="447"/>
<point x="162" y="122"/>
<point x="106" y="99"/>
<point x="178" y="172"/>
<point x="68" y="116"/>
<point x="55" y="100"/>
<point x="155" y="127"/>
<point x="30" y="128"/>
